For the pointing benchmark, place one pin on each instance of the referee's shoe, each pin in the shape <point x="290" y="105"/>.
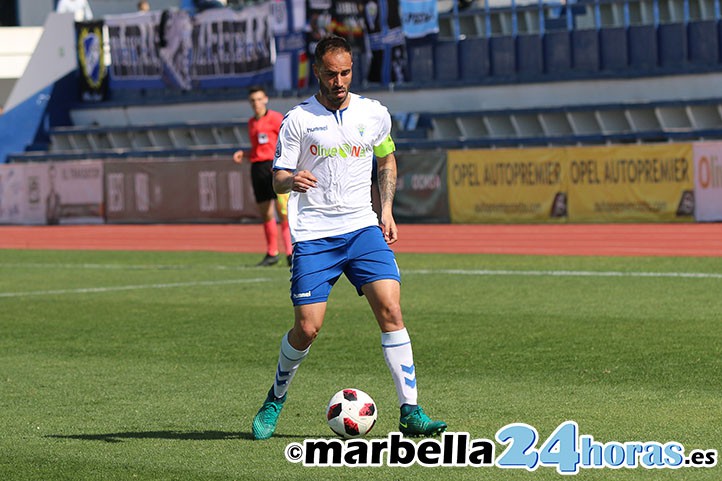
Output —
<point x="269" y="260"/>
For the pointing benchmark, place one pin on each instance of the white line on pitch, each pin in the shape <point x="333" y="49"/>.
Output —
<point x="468" y="272"/>
<point x="492" y="272"/>
<point x="159" y="267"/>
<point x="92" y="290"/>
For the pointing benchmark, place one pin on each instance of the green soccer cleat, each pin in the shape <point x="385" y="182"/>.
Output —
<point x="415" y="422"/>
<point x="264" y="424"/>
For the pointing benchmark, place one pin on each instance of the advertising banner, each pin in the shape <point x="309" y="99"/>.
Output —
<point x="179" y="190"/>
<point x="14" y="194"/>
<point x="51" y="193"/>
<point x="219" y="47"/>
<point x="232" y="47"/>
<point x="421" y="187"/>
<point x="507" y="185"/>
<point x="631" y="183"/>
<point x="708" y="181"/>
<point x="134" y="49"/>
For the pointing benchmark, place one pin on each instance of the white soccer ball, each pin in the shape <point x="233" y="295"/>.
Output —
<point x="351" y="413"/>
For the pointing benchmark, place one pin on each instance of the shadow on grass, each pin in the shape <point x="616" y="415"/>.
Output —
<point x="173" y="435"/>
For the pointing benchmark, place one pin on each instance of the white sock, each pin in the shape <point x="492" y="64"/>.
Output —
<point x="288" y="361"/>
<point x="400" y="360"/>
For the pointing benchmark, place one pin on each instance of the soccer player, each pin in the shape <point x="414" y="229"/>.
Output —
<point x="324" y="159"/>
<point x="263" y="130"/>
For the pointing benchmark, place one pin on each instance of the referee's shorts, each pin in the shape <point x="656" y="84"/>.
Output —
<point x="262" y="180"/>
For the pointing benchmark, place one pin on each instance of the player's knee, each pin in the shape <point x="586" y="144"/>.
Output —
<point x="390" y="315"/>
<point x="303" y="336"/>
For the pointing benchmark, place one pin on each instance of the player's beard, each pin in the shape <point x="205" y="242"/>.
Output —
<point x="331" y="95"/>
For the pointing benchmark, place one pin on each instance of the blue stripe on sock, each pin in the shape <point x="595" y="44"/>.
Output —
<point x="408" y="369"/>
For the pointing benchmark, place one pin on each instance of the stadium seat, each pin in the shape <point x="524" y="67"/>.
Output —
<point x="421" y="62"/>
<point x="502" y="53"/>
<point x="642" y="45"/>
<point x="703" y="42"/>
<point x="557" y="52"/>
<point x="446" y="60"/>
<point x="672" y="41"/>
<point x="474" y="59"/>
<point x="585" y="50"/>
<point x="529" y="55"/>
<point x="613" y="49"/>
<point x="148" y="137"/>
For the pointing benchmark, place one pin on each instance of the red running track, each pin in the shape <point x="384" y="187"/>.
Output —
<point x="689" y="240"/>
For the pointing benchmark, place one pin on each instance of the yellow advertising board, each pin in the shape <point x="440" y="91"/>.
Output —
<point x="506" y="185"/>
<point x="630" y="183"/>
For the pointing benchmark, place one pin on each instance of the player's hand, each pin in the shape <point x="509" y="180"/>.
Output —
<point x="388" y="227"/>
<point x="303" y="181"/>
<point x="238" y="156"/>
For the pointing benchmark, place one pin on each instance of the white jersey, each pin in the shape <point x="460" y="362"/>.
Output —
<point x="336" y="146"/>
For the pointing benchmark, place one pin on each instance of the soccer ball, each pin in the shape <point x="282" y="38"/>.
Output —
<point x="351" y="413"/>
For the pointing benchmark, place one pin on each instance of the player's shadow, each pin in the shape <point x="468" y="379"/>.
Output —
<point x="172" y="435"/>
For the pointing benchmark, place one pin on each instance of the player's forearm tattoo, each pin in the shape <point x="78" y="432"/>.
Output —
<point x="387" y="185"/>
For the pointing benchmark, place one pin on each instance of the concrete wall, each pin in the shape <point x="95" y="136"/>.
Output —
<point x="16" y="47"/>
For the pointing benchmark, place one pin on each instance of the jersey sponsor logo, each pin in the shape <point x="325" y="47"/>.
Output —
<point x="343" y="150"/>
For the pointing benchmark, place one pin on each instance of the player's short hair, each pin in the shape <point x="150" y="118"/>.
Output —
<point x="332" y="42"/>
<point x="256" y="88"/>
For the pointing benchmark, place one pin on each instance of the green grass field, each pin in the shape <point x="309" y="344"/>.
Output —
<point x="150" y="366"/>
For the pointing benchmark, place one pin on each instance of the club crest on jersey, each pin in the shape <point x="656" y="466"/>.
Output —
<point x="361" y="129"/>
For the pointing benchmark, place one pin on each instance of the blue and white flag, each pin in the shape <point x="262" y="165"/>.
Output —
<point x="419" y="17"/>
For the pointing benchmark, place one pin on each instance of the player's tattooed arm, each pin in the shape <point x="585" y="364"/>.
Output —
<point x="387" y="180"/>
<point x="387" y="189"/>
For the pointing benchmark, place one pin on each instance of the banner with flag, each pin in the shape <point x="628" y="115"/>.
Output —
<point x="92" y="61"/>
<point x="386" y="42"/>
<point x="288" y="19"/>
<point x="419" y="17"/>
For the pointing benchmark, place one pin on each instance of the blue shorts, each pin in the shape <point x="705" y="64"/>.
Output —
<point x="362" y="255"/>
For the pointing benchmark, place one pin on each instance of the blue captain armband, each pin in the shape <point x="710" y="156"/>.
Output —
<point x="385" y="148"/>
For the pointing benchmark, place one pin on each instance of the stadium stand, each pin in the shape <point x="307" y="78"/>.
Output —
<point x="534" y="74"/>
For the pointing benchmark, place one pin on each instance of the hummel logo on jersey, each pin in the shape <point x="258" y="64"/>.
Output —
<point x="301" y="295"/>
<point x="316" y="129"/>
